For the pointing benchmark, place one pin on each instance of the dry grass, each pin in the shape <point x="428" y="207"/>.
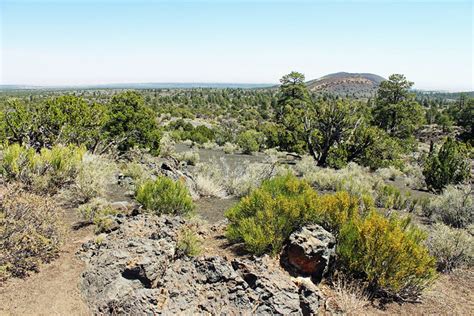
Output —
<point x="207" y="186"/>
<point x="350" y="297"/>
<point x="95" y="175"/>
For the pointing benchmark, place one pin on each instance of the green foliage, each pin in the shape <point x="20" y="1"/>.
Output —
<point x="249" y="141"/>
<point x="200" y="134"/>
<point x="265" y="218"/>
<point x="329" y="127"/>
<point x="165" y="196"/>
<point x="463" y="114"/>
<point x="188" y="242"/>
<point x="373" y="147"/>
<point x="65" y="119"/>
<point x="391" y="197"/>
<point x="131" y="123"/>
<point x="447" y="166"/>
<point x="396" y="111"/>
<point x="389" y="252"/>
<point x="47" y="170"/>
<point x="293" y="101"/>
<point x="30" y="232"/>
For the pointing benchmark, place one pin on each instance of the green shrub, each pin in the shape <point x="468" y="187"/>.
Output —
<point x="447" y="166"/>
<point x="47" y="170"/>
<point x="249" y="141"/>
<point x="391" y="197"/>
<point x="165" y="196"/>
<point x="389" y="252"/>
<point x="189" y="243"/>
<point x="265" y="218"/>
<point x="452" y="247"/>
<point x="131" y="123"/>
<point x="31" y="232"/>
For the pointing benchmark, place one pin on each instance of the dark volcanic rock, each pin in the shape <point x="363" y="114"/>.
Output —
<point x="310" y="249"/>
<point x="136" y="270"/>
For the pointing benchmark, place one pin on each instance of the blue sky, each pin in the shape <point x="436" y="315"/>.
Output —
<point x="87" y="42"/>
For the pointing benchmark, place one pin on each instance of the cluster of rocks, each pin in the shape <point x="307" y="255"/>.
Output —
<point x="136" y="269"/>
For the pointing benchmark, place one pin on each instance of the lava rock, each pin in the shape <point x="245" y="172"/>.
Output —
<point x="136" y="270"/>
<point x="310" y="251"/>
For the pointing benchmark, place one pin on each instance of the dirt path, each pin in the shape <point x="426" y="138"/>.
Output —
<point x="54" y="290"/>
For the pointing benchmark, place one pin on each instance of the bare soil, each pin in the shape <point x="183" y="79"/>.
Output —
<point x="451" y="294"/>
<point x="213" y="209"/>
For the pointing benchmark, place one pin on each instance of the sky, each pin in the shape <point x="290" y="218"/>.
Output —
<point x="73" y="42"/>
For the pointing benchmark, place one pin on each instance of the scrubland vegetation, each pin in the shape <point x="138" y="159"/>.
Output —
<point x="400" y="205"/>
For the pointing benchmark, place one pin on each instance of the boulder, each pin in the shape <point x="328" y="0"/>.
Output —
<point x="310" y="251"/>
<point x="136" y="270"/>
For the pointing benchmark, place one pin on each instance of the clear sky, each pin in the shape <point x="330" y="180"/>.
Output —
<point x="88" y="42"/>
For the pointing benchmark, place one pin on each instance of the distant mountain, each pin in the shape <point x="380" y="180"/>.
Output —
<point x="151" y="85"/>
<point x="345" y="84"/>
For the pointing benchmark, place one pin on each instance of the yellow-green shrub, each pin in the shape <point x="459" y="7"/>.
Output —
<point x="389" y="252"/>
<point x="44" y="171"/>
<point x="30" y="231"/>
<point x="188" y="242"/>
<point x="264" y="219"/>
<point x="391" y="197"/>
<point x="165" y="196"/>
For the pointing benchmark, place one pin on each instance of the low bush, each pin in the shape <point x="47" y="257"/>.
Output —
<point x="208" y="187"/>
<point x="165" y="196"/>
<point x="389" y="173"/>
<point x="209" y="145"/>
<point x="94" y="176"/>
<point x="31" y="232"/>
<point x="137" y="171"/>
<point x="389" y="252"/>
<point x="249" y="141"/>
<point x="413" y="176"/>
<point x="454" y="206"/>
<point x="230" y="148"/>
<point x="264" y="219"/>
<point x="91" y="209"/>
<point x="190" y="157"/>
<point x="189" y="242"/>
<point x="353" y="178"/>
<point x="104" y="220"/>
<point x="452" y="247"/>
<point x="237" y="180"/>
<point x="390" y="197"/>
<point x="167" y="146"/>
<point x="47" y="170"/>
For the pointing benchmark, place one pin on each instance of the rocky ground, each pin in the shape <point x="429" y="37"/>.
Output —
<point x="137" y="269"/>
